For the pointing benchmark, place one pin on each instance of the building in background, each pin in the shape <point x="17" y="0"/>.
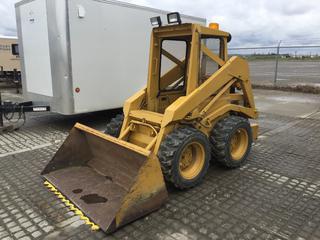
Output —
<point x="9" y="60"/>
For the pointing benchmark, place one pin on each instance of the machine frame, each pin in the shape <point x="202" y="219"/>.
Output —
<point x="203" y="104"/>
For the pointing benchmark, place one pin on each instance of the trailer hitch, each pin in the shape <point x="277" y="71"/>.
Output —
<point x="11" y="113"/>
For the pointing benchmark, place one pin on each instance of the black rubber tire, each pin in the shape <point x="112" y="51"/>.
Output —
<point x="171" y="149"/>
<point x="220" y="139"/>
<point x="114" y="126"/>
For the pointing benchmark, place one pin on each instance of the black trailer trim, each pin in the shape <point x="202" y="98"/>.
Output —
<point x="8" y="109"/>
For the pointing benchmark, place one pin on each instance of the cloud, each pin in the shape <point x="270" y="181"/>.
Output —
<point x="8" y="21"/>
<point x="251" y="22"/>
<point x="255" y="22"/>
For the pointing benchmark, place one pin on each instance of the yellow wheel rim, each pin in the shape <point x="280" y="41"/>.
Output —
<point x="191" y="160"/>
<point x="239" y="144"/>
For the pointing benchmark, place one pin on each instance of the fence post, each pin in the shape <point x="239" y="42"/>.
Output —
<point x="277" y="62"/>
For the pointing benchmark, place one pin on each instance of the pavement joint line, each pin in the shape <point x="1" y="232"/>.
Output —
<point x="290" y="178"/>
<point x="288" y="125"/>
<point x="69" y="221"/>
<point x="25" y="150"/>
<point x="280" y="129"/>
<point x="309" y="115"/>
<point x="265" y="228"/>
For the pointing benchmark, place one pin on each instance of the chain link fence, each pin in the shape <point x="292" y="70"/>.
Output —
<point x="283" y="65"/>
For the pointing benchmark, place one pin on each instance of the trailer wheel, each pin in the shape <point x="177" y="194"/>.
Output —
<point x="184" y="156"/>
<point x="114" y="126"/>
<point x="231" y="141"/>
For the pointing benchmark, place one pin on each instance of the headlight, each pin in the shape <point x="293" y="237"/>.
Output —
<point x="174" y="17"/>
<point x="156" y="21"/>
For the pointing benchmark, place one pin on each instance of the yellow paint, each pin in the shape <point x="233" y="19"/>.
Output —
<point x="148" y="182"/>
<point x="239" y="144"/>
<point x="132" y="147"/>
<point x="192" y="160"/>
<point x="151" y="114"/>
<point x="255" y="130"/>
<point x="77" y="211"/>
<point x="213" y="56"/>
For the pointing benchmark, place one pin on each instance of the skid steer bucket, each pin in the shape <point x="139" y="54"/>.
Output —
<point x="111" y="181"/>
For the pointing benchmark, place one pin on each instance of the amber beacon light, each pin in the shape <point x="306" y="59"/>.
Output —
<point x="214" y="26"/>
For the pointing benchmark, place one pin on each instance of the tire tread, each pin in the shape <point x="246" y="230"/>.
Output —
<point x="169" y="147"/>
<point x="114" y="126"/>
<point x="219" y="140"/>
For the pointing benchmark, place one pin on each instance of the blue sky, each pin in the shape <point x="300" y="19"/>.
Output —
<point x="251" y="22"/>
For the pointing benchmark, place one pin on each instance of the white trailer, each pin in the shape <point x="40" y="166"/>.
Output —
<point x="84" y="55"/>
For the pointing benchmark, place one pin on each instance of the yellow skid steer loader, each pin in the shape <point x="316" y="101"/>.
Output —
<point x="195" y="108"/>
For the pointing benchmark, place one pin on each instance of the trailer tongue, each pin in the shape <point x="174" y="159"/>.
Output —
<point x="111" y="181"/>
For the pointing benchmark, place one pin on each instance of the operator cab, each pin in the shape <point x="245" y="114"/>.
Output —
<point x="174" y="71"/>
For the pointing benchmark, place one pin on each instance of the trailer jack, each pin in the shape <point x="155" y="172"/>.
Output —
<point x="11" y="114"/>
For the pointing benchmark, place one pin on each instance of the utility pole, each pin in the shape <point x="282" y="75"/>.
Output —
<point x="277" y="62"/>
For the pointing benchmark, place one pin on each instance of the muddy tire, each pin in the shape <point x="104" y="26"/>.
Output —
<point x="231" y="141"/>
<point x="184" y="155"/>
<point x="114" y="126"/>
